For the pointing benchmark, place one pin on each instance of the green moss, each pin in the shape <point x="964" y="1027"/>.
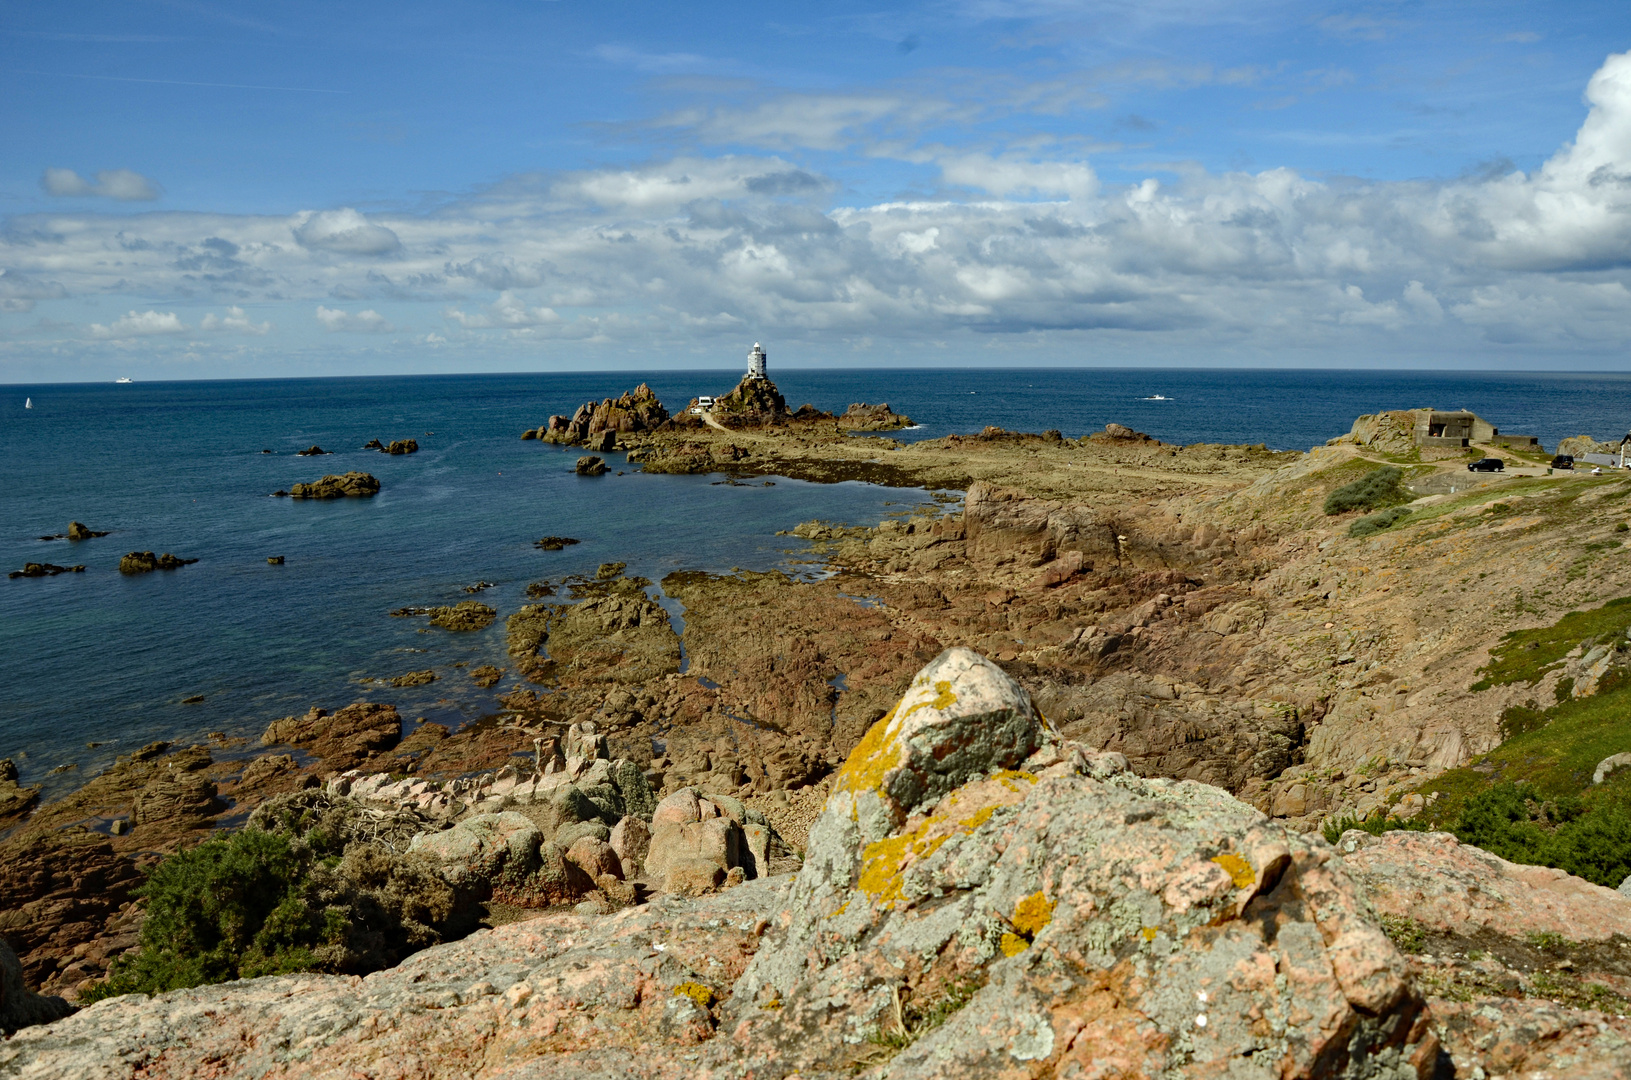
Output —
<point x="1527" y="655"/>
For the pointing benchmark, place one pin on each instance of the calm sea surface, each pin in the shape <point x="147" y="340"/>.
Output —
<point x="99" y="657"/>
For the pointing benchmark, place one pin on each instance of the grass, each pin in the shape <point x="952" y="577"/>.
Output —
<point x="1372" y="524"/>
<point x="1527" y="655"/>
<point x="911" y="1022"/>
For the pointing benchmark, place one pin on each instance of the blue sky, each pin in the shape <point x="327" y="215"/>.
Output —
<point x="207" y="190"/>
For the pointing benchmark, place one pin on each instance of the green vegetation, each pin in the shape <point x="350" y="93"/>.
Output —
<point x="280" y="897"/>
<point x="1378" y="522"/>
<point x="1377" y="823"/>
<point x="1376" y="489"/>
<point x="1527" y="655"/>
<point x="911" y="1022"/>
<point x="1408" y="934"/>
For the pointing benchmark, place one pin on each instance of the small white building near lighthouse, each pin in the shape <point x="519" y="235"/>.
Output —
<point x="756" y="363"/>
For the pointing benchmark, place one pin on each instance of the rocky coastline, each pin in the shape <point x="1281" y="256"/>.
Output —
<point x="1233" y="678"/>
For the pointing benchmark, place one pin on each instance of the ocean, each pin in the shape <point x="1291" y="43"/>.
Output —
<point x="103" y="658"/>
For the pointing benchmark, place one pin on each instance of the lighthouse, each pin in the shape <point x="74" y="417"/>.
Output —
<point x="756" y="363"/>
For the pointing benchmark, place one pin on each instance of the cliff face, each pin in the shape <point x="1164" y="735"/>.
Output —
<point x="979" y="898"/>
<point x="754" y="403"/>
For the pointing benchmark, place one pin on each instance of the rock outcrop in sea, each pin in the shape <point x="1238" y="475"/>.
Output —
<point x="351" y="484"/>
<point x="863" y="417"/>
<point x="597" y="424"/>
<point x="35" y="569"/>
<point x="144" y="562"/>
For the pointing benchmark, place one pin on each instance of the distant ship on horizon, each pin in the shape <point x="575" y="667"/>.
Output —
<point x="122" y="379"/>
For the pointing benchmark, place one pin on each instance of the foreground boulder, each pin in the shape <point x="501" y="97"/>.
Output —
<point x="20" y="1007"/>
<point x="351" y="484"/>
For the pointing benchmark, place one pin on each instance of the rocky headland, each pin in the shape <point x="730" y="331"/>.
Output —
<point x="1277" y="688"/>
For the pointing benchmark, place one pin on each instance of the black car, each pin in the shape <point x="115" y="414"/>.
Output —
<point x="1563" y="461"/>
<point x="1488" y="464"/>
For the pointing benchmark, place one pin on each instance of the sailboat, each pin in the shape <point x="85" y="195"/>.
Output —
<point x="28" y="403"/>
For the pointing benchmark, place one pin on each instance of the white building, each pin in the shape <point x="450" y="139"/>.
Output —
<point x="756" y="363"/>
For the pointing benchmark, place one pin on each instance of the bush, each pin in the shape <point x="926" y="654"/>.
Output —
<point x="1373" y="491"/>
<point x="280" y="898"/>
<point x="1377" y="823"/>
<point x="1511" y="821"/>
<point x="1375" y="523"/>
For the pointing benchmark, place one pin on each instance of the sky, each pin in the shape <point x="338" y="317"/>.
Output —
<point x="213" y="190"/>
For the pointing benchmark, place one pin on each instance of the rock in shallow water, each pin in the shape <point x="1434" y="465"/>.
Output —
<point x="142" y="562"/>
<point x="351" y="484"/>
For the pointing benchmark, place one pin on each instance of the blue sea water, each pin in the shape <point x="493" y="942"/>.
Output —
<point x="100" y="657"/>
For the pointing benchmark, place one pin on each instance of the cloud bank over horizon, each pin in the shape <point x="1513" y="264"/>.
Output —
<point x="1018" y="252"/>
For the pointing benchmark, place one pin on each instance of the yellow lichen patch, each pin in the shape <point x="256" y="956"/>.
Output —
<point x="1013" y="944"/>
<point x="1032" y="914"/>
<point x="1149" y="932"/>
<point x="884" y="863"/>
<point x="1007" y="777"/>
<point x="871" y="759"/>
<point x="943" y="699"/>
<point x="1239" y="869"/>
<point x="698" y="993"/>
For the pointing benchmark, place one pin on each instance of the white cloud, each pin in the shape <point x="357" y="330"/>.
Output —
<point x="234" y="320"/>
<point x="368" y="321"/>
<point x="146" y="324"/>
<point x="344" y="232"/>
<point x="508" y="311"/>
<point x="1020" y="240"/>
<point x="121" y="184"/>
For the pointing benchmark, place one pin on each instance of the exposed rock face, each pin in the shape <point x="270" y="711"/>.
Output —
<point x="999" y="522"/>
<point x="20" y="1007"/>
<point x="312" y="451"/>
<point x="35" y="569"/>
<point x="343" y="739"/>
<point x="1062" y="917"/>
<point x="76" y="531"/>
<point x="1388" y="432"/>
<point x="142" y="562"/>
<point x="399" y="446"/>
<point x="637" y="411"/>
<point x="415" y="678"/>
<point x="589" y="465"/>
<point x="180" y="796"/>
<point x="351" y="484"/>
<point x="1580" y="445"/>
<point x="1120" y="432"/>
<point x="863" y="417"/>
<point x="617" y="634"/>
<point x="754" y="403"/>
<point x="506" y="856"/>
<point x="697" y="840"/>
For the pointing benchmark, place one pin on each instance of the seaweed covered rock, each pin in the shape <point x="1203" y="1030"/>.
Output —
<point x="346" y="485"/>
<point x="35" y="569"/>
<point x="464" y="616"/>
<point x="863" y="417"/>
<point x="343" y="739"/>
<point x="143" y="562"/>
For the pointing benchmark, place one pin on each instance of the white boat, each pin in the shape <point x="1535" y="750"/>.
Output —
<point x="122" y="379"/>
<point x="1157" y="397"/>
<point x="28" y="403"/>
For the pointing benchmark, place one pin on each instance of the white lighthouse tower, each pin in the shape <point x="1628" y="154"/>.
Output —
<point x="756" y="363"/>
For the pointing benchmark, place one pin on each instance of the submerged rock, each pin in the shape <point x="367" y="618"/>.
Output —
<point x="415" y="678"/>
<point x="553" y="543"/>
<point x="142" y="562"/>
<point x="351" y="484"/>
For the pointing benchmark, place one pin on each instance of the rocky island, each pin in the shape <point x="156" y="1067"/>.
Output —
<point x="1114" y="754"/>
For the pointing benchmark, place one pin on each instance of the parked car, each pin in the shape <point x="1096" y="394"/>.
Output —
<point x="1488" y="464"/>
<point x="1563" y="461"/>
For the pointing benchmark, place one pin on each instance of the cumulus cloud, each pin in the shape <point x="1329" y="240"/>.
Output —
<point x="345" y="232"/>
<point x="235" y="320"/>
<point x="367" y="321"/>
<point x="147" y="324"/>
<point x="1015" y="240"/>
<point x="121" y="184"/>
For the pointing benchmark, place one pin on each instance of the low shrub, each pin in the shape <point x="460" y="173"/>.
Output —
<point x="281" y="898"/>
<point x="1512" y="821"/>
<point x="1373" y="491"/>
<point x="1379" y="522"/>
